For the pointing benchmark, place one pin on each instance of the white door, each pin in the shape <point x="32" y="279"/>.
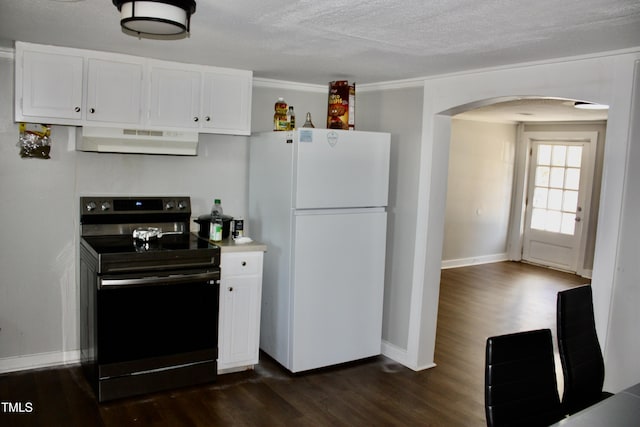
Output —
<point x="558" y="199"/>
<point x="337" y="169"/>
<point x="52" y="85"/>
<point x="175" y="97"/>
<point x="226" y="102"/>
<point x="338" y="287"/>
<point x="114" y="91"/>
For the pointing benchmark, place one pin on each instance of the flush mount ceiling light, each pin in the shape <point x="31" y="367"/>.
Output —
<point x="590" y="106"/>
<point x="157" y="17"/>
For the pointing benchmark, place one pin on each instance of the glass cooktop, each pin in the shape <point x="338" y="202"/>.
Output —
<point x="127" y="244"/>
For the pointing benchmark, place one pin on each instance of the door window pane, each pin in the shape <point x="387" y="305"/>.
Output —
<point x="540" y="197"/>
<point x="555" y="199"/>
<point x="542" y="176"/>
<point x="544" y="155"/>
<point x="574" y="156"/>
<point x="559" y="155"/>
<point x="538" y="219"/>
<point x="556" y="178"/>
<point x="572" y="180"/>
<point x="570" y="203"/>
<point x="568" y="223"/>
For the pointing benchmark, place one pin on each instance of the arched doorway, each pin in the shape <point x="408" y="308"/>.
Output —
<point x="495" y="210"/>
<point x="590" y="79"/>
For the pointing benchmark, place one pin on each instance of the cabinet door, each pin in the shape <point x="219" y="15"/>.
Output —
<point x="175" y="97"/>
<point x="239" y="321"/>
<point x="226" y="106"/>
<point x="114" y="91"/>
<point x="51" y="87"/>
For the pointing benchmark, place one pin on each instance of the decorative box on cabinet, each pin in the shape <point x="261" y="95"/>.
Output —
<point x="240" y="301"/>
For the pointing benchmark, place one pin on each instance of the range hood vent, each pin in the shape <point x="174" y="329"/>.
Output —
<point x="118" y="140"/>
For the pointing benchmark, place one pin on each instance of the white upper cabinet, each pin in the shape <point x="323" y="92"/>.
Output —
<point x="226" y="103"/>
<point x="209" y="99"/>
<point x="66" y="86"/>
<point x="114" y="91"/>
<point x="175" y="96"/>
<point x="48" y="84"/>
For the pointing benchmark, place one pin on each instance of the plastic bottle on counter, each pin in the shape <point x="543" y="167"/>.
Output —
<point x="291" y="118"/>
<point x="216" y="209"/>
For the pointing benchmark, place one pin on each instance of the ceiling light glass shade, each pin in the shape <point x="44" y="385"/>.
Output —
<point x="590" y="106"/>
<point x="160" y="17"/>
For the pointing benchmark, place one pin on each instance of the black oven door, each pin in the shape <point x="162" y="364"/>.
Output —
<point x="146" y="322"/>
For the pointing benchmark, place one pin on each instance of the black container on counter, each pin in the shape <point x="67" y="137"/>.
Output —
<point x="204" y="221"/>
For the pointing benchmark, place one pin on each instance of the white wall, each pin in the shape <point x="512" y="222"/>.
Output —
<point x="622" y="351"/>
<point x="479" y="187"/>
<point x="39" y="214"/>
<point x="399" y="111"/>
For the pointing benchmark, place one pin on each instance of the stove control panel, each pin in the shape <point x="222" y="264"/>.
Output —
<point x="126" y="205"/>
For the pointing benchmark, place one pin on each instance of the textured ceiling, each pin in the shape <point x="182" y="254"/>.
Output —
<point x="366" y="41"/>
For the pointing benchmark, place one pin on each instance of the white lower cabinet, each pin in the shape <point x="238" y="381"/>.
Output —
<point x="239" y="320"/>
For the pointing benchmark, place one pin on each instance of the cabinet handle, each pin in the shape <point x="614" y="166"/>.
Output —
<point x="244" y="263"/>
<point x="92" y="110"/>
<point x="77" y="109"/>
<point x="231" y="289"/>
<point x="195" y="119"/>
<point x="208" y="118"/>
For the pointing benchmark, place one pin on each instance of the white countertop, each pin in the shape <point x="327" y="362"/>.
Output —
<point x="230" y="245"/>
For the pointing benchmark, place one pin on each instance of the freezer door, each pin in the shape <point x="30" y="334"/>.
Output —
<point x="336" y="169"/>
<point x="338" y="287"/>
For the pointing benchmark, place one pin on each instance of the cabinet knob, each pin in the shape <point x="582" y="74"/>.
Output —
<point x="195" y="119"/>
<point x="77" y="109"/>
<point x="92" y="110"/>
<point x="231" y="289"/>
<point x="208" y="118"/>
<point x="244" y="263"/>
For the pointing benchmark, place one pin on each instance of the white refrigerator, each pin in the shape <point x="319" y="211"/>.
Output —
<point x="317" y="199"/>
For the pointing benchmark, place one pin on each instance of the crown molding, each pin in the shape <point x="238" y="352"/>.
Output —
<point x="7" y="53"/>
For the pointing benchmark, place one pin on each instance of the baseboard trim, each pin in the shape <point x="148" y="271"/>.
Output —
<point x="400" y="355"/>
<point x="39" y="360"/>
<point x="465" y="262"/>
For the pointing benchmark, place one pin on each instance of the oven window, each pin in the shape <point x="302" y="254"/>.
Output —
<point x="151" y="321"/>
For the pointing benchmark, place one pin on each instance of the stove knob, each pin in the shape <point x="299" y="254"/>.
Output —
<point x="182" y="204"/>
<point x="105" y="206"/>
<point x="170" y="205"/>
<point x="91" y="206"/>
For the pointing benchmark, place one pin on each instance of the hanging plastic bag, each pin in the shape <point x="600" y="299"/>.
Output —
<point x="34" y="141"/>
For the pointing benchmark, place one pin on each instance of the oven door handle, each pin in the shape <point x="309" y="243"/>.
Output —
<point x="110" y="283"/>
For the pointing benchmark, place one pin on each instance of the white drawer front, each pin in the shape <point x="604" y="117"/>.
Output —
<point x="241" y="263"/>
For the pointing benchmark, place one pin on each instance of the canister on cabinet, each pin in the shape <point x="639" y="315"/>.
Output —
<point x="238" y="228"/>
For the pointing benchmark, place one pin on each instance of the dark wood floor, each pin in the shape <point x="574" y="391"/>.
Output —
<point x="475" y="302"/>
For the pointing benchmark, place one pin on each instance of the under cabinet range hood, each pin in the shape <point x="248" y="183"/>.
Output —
<point x="118" y="140"/>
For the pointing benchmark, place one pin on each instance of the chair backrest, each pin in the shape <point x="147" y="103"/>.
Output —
<point x="580" y="352"/>
<point x="520" y="380"/>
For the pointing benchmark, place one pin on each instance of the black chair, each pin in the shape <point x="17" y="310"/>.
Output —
<point x="580" y="353"/>
<point x="520" y="380"/>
